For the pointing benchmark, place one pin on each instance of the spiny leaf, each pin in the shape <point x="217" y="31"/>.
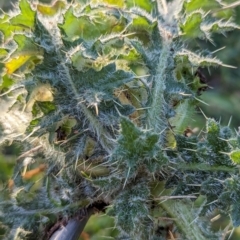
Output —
<point x="219" y="27"/>
<point x="3" y="53"/>
<point x="7" y="82"/>
<point x="135" y="145"/>
<point x="27" y="53"/>
<point x="108" y="79"/>
<point x="235" y="156"/>
<point x="191" y="28"/>
<point x="88" y="26"/>
<point x="191" y="61"/>
<point x="144" y="4"/>
<point x="52" y="9"/>
<point x="27" y="16"/>
<point x="213" y="127"/>
<point x="8" y="29"/>
<point x="17" y="62"/>
<point x="192" y="5"/>
<point x="119" y="3"/>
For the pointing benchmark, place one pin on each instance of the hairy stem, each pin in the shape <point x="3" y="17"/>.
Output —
<point x="155" y="118"/>
<point x="184" y="218"/>
<point x="74" y="227"/>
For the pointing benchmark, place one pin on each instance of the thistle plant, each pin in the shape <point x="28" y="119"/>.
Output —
<point x="98" y="95"/>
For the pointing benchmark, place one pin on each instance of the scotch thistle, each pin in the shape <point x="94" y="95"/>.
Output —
<point x="98" y="94"/>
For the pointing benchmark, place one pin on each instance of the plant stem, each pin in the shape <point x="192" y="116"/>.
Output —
<point x="184" y="218"/>
<point x="155" y="118"/>
<point x="74" y="227"/>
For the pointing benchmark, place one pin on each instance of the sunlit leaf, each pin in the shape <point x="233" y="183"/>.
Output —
<point x="119" y="3"/>
<point x="25" y="45"/>
<point x="26" y="17"/>
<point x="192" y="25"/>
<point x="50" y="10"/>
<point x="8" y="29"/>
<point x="15" y="63"/>
<point x="220" y="27"/>
<point x="3" y="53"/>
<point x="193" y="5"/>
<point x="144" y="4"/>
<point x="192" y="61"/>
<point x="6" y="82"/>
<point x="89" y="26"/>
<point x="235" y="156"/>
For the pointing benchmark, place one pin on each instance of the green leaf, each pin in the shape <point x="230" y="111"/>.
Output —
<point x="34" y="123"/>
<point x="46" y="107"/>
<point x="7" y="29"/>
<point x="109" y="49"/>
<point x="220" y="27"/>
<point x="131" y="211"/>
<point x="144" y="4"/>
<point x="27" y="16"/>
<point x="51" y="10"/>
<point x="135" y="145"/>
<point x="109" y="114"/>
<point x="191" y="61"/>
<point x="213" y="127"/>
<point x="68" y="124"/>
<point x="235" y="156"/>
<point x="119" y="3"/>
<point x="108" y="183"/>
<point x="27" y="54"/>
<point x="103" y="86"/>
<point x="26" y="45"/>
<point x="3" y="53"/>
<point x="88" y="26"/>
<point x="26" y="61"/>
<point x="191" y="28"/>
<point x="6" y="169"/>
<point x="141" y="23"/>
<point x="80" y="62"/>
<point x="192" y="5"/>
<point x="6" y="82"/>
<point x="217" y="144"/>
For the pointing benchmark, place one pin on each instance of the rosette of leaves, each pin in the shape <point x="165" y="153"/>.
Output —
<point x="98" y="94"/>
